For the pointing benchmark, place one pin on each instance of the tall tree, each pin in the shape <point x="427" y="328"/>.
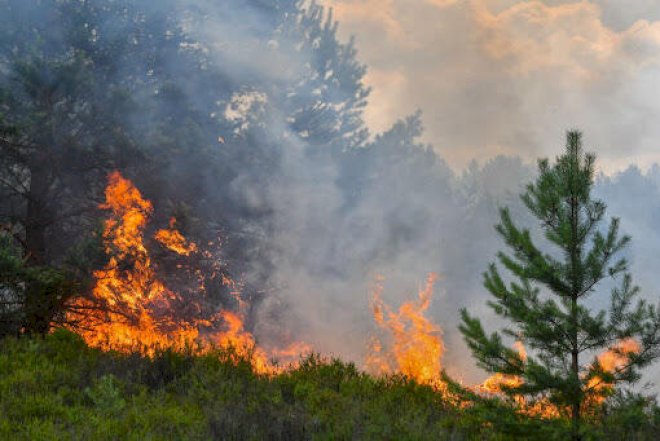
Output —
<point x="151" y="89"/>
<point x="69" y="73"/>
<point x="545" y="299"/>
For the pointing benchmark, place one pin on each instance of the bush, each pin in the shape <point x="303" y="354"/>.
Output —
<point x="59" y="389"/>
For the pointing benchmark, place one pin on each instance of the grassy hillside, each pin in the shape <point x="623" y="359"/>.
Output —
<point x="59" y="389"/>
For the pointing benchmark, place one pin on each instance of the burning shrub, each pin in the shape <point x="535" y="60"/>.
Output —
<point x="130" y="308"/>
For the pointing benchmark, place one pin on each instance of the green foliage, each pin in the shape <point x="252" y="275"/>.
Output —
<point x="29" y="293"/>
<point x="59" y="389"/>
<point x="545" y="300"/>
<point x="106" y="394"/>
<point x="140" y="86"/>
<point x="629" y="416"/>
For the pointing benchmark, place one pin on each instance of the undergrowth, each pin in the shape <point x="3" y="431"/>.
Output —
<point x="57" y="388"/>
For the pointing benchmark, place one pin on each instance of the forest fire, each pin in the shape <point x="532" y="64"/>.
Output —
<point x="497" y="383"/>
<point x="130" y="308"/>
<point x="612" y="360"/>
<point x="269" y="163"/>
<point x="414" y="344"/>
<point x="174" y="240"/>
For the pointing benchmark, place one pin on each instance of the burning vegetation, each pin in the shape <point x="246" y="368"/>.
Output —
<point x="412" y="344"/>
<point x="136" y="304"/>
<point x="130" y="308"/>
<point x="284" y="165"/>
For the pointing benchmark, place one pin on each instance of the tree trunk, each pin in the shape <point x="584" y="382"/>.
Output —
<point x="575" y="292"/>
<point x="38" y="305"/>
<point x="575" y="406"/>
<point x="35" y="231"/>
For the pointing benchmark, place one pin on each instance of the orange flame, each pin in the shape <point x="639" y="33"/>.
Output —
<point x="130" y="308"/>
<point x="174" y="240"/>
<point x="415" y="347"/>
<point x="498" y="382"/>
<point x="617" y="356"/>
<point x="612" y="360"/>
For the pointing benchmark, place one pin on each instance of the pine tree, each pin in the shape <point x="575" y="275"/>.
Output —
<point x="545" y="299"/>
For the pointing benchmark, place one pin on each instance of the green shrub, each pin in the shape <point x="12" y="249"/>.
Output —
<point x="59" y="389"/>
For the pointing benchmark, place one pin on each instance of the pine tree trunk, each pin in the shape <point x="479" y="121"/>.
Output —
<point x="575" y="290"/>
<point x="575" y="371"/>
<point x="35" y="234"/>
<point x="38" y="312"/>
<point x="575" y="407"/>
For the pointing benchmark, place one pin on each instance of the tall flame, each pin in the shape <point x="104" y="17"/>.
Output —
<point x="130" y="308"/>
<point x="414" y="346"/>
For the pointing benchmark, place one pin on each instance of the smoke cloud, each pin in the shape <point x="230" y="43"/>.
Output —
<point x="505" y="76"/>
<point x="492" y="78"/>
<point x="314" y="207"/>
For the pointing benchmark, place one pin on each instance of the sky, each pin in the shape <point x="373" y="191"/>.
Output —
<point x="511" y="76"/>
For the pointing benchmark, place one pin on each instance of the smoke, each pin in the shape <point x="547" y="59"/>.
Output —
<point x="263" y="141"/>
<point x="393" y="206"/>
<point x="505" y="76"/>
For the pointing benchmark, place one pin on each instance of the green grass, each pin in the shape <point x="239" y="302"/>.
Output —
<point x="57" y="388"/>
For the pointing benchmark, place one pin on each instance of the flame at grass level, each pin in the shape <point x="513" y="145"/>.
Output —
<point x="415" y="344"/>
<point x="413" y="347"/>
<point x="498" y="382"/>
<point x="122" y="312"/>
<point x="610" y="361"/>
<point x="131" y="308"/>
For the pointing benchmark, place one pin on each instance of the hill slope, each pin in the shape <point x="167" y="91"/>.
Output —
<point x="57" y="388"/>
